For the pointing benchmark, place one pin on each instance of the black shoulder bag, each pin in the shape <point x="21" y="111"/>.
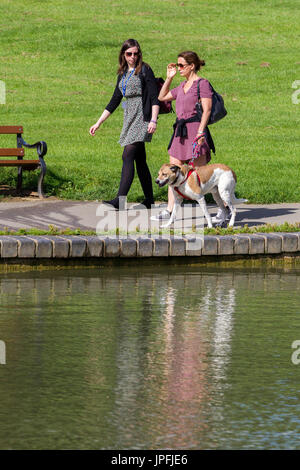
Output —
<point x="165" y="107"/>
<point x="218" y="110"/>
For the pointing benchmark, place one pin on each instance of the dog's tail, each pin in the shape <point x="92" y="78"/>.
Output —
<point x="235" y="201"/>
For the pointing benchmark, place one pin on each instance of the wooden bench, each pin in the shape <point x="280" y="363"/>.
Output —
<point x="19" y="153"/>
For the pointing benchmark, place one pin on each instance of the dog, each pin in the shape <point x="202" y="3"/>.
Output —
<point x="193" y="183"/>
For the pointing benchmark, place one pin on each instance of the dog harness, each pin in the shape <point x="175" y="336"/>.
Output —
<point x="188" y="175"/>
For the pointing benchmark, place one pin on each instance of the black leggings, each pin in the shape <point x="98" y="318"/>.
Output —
<point x="135" y="153"/>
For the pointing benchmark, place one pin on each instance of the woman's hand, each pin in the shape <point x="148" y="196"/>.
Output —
<point x="171" y="70"/>
<point x="200" y="138"/>
<point x="165" y="94"/>
<point x="105" y="115"/>
<point x="94" y="128"/>
<point x="152" y="127"/>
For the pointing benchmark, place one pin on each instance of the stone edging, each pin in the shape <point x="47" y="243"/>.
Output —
<point x="64" y="247"/>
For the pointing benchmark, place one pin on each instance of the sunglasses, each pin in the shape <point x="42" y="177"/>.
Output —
<point x="129" y="54"/>
<point x="181" y="66"/>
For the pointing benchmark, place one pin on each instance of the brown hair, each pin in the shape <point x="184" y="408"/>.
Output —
<point x="192" y="58"/>
<point x="122" y="61"/>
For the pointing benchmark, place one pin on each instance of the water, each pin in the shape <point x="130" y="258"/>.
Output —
<point x="146" y="358"/>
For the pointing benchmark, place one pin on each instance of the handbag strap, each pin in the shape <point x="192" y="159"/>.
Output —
<point x="198" y="89"/>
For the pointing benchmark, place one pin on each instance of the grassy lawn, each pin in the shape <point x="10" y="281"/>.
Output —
<point x="267" y="228"/>
<point x="58" y="61"/>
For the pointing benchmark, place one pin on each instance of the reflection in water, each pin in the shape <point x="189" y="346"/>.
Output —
<point x="194" y="337"/>
<point x="131" y="358"/>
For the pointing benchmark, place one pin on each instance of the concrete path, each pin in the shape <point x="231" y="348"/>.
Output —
<point x="36" y="213"/>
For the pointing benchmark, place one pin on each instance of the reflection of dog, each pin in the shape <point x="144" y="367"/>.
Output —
<point x="190" y="183"/>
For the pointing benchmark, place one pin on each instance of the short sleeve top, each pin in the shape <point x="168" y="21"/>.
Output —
<point x="185" y="102"/>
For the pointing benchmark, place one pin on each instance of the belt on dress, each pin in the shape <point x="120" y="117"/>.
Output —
<point x="180" y="130"/>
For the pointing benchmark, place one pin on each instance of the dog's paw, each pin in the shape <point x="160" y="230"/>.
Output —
<point x="222" y="224"/>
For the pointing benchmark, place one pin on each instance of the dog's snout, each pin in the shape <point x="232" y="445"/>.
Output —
<point x="157" y="181"/>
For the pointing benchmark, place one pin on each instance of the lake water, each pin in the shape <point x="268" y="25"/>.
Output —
<point x="150" y="358"/>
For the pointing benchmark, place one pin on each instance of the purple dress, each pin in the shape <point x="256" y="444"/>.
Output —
<point x="181" y="148"/>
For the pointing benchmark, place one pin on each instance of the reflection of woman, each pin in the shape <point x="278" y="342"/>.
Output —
<point x="137" y="84"/>
<point x="187" y="127"/>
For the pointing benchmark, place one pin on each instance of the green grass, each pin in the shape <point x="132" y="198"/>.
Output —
<point x="267" y="228"/>
<point x="58" y="61"/>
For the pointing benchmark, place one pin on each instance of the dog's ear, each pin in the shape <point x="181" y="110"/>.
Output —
<point x="174" y="168"/>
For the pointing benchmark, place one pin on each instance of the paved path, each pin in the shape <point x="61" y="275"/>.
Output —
<point x="35" y="213"/>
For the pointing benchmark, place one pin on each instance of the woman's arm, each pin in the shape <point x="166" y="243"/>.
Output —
<point x="153" y="123"/>
<point x="110" y="108"/>
<point x="151" y="84"/>
<point x="165" y="94"/>
<point x="115" y="99"/>
<point x="105" y="115"/>
<point x="206" y="107"/>
<point x="152" y="89"/>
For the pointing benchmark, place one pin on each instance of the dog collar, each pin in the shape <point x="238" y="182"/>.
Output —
<point x="175" y="180"/>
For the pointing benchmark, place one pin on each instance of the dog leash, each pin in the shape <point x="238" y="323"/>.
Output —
<point x="195" y="154"/>
<point x="196" y="149"/>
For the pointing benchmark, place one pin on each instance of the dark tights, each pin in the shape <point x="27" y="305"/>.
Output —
<point x="134" y="153"/>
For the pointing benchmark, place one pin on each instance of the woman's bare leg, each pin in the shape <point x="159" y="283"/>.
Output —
<point x="200" y="161"/>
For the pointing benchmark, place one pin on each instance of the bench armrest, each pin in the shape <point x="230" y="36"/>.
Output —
<point x="41" y="146"/>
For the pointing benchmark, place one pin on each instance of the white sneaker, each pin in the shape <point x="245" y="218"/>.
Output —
<point x="163" y="215"/>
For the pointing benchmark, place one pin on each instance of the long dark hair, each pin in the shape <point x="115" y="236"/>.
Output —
<point x="122" y="61"/>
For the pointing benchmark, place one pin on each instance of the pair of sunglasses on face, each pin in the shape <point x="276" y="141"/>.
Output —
<point x="135" y="54"/>
<point x="181" y="66"/>
<point x="129" y="54"/>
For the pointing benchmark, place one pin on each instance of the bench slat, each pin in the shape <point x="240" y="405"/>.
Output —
<point x="19" y="152"/>
<point x="19" y="163"/>
<point x="11" y="130"/>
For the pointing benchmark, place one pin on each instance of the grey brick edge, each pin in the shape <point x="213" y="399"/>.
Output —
<point x="52" y="246"/>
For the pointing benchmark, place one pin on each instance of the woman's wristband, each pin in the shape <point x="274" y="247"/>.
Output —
<point x="152" y="120"/>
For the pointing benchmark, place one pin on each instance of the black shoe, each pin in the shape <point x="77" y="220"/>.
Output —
<point x="113" y="203"/>
<point x="144" y="204"/>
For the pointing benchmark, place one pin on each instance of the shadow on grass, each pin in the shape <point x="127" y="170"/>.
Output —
<point x="53" y="183"/>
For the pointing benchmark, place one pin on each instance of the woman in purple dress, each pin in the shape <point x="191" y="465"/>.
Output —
<point x="187" y="127"/>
